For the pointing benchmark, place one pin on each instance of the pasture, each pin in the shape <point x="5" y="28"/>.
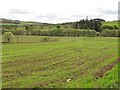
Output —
<point x="111" y="23"/>
<point x="62" y="62"/>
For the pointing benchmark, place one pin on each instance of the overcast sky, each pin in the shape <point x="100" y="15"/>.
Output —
<point x="57" y="11"/>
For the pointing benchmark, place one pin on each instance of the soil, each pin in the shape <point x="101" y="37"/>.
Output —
<point x="103" y="70"/>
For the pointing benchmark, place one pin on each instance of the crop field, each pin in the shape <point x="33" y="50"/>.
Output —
<point x="61" y="62"/>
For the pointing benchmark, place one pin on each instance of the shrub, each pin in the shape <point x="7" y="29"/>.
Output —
<point x="97" y="33"/>
<point x="20" y="31"/>
<point x="104" y="33"/>
<point x="8" y="37"/>
<point x="48" y="39"/>
<point x="58" y="26"/>
<point x="45" y="39"/>
<point x="108" y="27"/>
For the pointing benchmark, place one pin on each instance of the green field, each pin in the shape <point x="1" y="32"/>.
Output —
<point x="66" y="62"/>
<point x="111" y="23"/>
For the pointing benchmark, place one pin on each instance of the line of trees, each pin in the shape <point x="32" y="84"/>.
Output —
<point x="81" y="28"/>
<point x="64" y="32"/>
<point x="91" y="24"/>
<point x="77" y="32"/>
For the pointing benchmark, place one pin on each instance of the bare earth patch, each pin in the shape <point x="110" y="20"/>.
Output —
<point x="106" y="68"/>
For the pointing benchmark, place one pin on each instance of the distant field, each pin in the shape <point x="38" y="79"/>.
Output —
<point x="111" y="23"/>
<point x="71" y="62"/>
<point x="35" y="39"/>
<point x="8" y="24"/>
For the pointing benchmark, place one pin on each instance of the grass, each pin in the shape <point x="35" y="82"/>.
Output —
<point x="51" y="64"/>
<point x="111" y="23"/>
<point x="32" y="39"/>
<point x="8" y="24"/>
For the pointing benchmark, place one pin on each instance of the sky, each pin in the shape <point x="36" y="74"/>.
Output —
<point x="58" y="11"/>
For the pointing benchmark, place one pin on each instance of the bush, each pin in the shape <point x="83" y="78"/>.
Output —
<point x="109" y="27"/>
<point x="58" y="26"/>
<point x="97" y="33"/>
<point x="5" y="30"/>
<point x="8" y="37"/>
<point x="45" y="39"/>
<point x="109" y="33"/>
<point x="20" y="31"/>
<point x="48" y="39"/>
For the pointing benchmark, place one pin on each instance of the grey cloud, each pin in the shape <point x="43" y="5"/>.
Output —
<point x="18" y="11"/>
<point x="52" y="18"/>
<point x="109" y="11"/>
<point x="47" y="16"/>
<point x="83" y="16"/>
<point x="77" y="15"/>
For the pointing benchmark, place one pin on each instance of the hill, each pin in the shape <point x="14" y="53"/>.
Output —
<point x="111" y="23"/>
<point x="3" y="20"/>
<point x="12" y="22"/>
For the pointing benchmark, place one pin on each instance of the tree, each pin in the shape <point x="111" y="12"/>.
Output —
<point x="97" y="33"/>
<point x="116" y="27"/>
<point x="28" y="28"/>
<point x="97" y="26"/>
<point x="20" y="31"/>
<point x="105" y="33"/>
<point x="8" y="37"/>
<point x="88" y="24"/>
<point x="58" y="26"/>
